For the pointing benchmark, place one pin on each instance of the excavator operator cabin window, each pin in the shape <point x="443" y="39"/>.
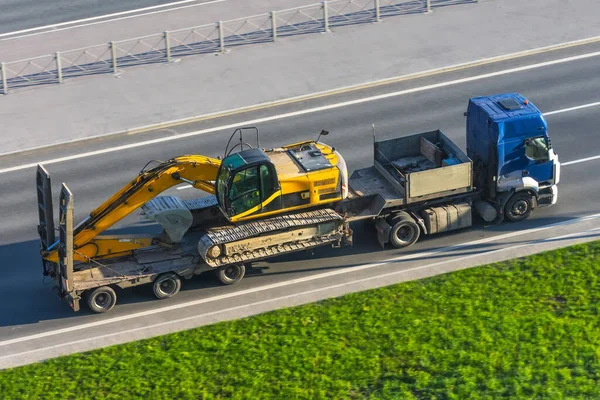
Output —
<point x="267" y="183"/>
<point x="244" y="193"/>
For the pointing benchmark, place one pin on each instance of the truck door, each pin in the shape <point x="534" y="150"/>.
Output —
<point x="540" y="166"/>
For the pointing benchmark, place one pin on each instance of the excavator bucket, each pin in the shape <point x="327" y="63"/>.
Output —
<point x="45" y="212"/>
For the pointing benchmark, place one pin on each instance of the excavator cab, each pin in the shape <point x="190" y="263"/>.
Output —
<point x="255" y="183"/>
<point x="247" y="185"/>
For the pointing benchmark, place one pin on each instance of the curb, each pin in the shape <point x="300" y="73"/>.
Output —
<point x="316" y="95"/>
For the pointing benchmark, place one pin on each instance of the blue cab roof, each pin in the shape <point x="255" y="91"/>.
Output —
<point x="503" y="107"/>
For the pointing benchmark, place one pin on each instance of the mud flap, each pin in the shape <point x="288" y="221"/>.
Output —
<point x="73" y="301"/>
<point x="383" y="231"/>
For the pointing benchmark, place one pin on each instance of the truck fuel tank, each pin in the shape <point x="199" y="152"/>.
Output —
<point x="487" y="211"/>
<point x="447" y="218"/>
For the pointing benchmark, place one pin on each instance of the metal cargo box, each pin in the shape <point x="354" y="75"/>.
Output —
<point x="424" y="166"/>
<point x="447" y="218"/>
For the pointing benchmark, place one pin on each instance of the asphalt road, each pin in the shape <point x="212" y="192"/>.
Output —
<point x="24" y="14"/>
<point x="29" y="307"/>
<point x="70" y="25"/>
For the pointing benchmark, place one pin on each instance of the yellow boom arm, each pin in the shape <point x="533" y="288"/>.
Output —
<point x="198" y="171"/>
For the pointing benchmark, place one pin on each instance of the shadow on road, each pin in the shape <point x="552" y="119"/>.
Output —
<point x="365" y="240"/>
<point x="26" y="297"/>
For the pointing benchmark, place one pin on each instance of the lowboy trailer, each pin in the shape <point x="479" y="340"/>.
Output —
<point x="421" y="184"/>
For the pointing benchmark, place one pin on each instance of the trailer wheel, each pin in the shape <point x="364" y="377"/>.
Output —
<point x="519" y="207"/>
<point x="230" y="274"/>
<point x="102" y="299"/>
<point x="405" y="231"/>
<point x="166" y="285"/>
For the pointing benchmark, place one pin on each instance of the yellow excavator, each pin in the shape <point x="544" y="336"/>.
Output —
<point x="261" y="203"/>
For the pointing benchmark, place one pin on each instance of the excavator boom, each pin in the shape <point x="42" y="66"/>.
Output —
<point x="199" y="171"/>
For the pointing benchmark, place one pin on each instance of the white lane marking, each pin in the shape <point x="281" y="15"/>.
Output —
<point x="307" y="292"/>
<point x="295" y="281"/>
<point x="581" y="160"/>
<point x="572" y="108"/>
<point x="302" y="112"/>
<point x="53" y="28"/>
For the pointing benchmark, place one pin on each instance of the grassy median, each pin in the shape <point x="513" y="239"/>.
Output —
<point x="528" y="328"/>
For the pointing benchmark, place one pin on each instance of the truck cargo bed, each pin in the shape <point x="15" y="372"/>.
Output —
<point x="415" y="168"/>
<point x="408" y="170"/>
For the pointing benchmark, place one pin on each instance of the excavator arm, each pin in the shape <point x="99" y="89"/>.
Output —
<point x="198" y="171"/>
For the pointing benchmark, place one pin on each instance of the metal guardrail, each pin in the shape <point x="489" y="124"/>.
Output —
<point x="203" y="39"/>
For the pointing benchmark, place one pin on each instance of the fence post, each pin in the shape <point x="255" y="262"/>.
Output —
<point x="59" y="67"/>
<point x="325" y="16"/>
<point x="274" y="25"/>
<point x="4" y="80"/>
<point x="113" y="50"/>
<point x="377" y="11"/>
<point x="167" y="46"/>
<point x="221" y="36"/>
<point x="428" y="6"/>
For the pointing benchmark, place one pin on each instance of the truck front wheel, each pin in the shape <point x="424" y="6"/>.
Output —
<point x="230" y="274"/>
<point x="518" y="207"/>
<point x="102" y="299"/>
<point x="405" y="231"/>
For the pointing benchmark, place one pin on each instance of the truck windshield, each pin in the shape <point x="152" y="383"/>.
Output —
<point x="537" y="149"/>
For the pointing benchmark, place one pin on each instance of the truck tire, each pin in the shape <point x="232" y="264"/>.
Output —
<point x="518" y="207"/>
<point x="405" y="231"/>
<point x="102" y="299"/>
<point x="166" y="285"/>
<point x="230" y="274"/>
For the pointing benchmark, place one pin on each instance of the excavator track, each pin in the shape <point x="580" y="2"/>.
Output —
<point x="271" y="237"/>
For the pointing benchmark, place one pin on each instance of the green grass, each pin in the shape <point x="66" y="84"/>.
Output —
<point x="528" y="328"/>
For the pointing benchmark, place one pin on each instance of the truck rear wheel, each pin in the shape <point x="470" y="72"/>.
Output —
<point x="230" y="274"/>
<point x="405" y="231"/>
<point x="166" y="285"/>
<point x="102" y="299"/>
<point x="518" y="207"/>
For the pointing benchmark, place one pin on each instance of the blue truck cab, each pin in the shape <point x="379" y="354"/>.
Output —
<point x="514" y="163"/>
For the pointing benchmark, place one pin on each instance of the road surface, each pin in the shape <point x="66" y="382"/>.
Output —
<point x="34" y="324"/>
<point x="31" y="16"/>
